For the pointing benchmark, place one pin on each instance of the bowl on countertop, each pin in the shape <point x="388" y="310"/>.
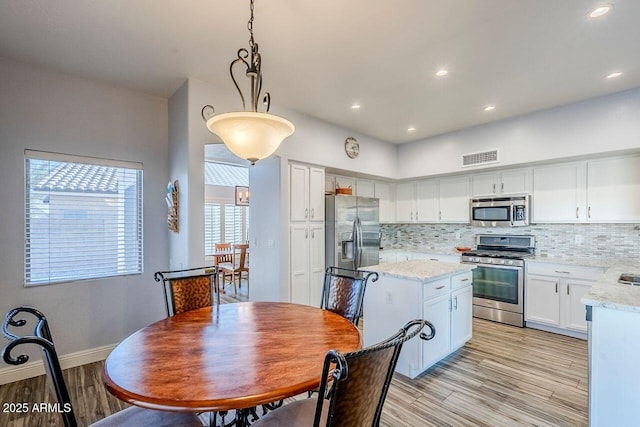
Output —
<point x="463" y="248"/>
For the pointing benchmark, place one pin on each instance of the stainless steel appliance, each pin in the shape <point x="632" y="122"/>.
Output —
<point x="352" y="231"/>
<point x="498" y="279"/>
<point x="500" y="211"/>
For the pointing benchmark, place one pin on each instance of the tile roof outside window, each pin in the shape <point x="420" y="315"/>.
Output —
<point x="80" y="178"/>
<point x="225" y="175"/>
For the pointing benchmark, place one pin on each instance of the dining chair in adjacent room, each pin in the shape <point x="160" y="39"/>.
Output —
<point x="41" y="337"/>
<point x="353" y="385"/>
<point x="237" y="267"/>
<point x="189" y="289"/>
<point x="343" y="291"/>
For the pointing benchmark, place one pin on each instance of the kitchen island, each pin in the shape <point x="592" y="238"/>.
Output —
<point x="439" y="292"/>
<point x="614" y="343"/>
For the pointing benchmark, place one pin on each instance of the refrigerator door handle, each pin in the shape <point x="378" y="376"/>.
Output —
<point x="354" y="236"/>
<point x="359" y="245"/>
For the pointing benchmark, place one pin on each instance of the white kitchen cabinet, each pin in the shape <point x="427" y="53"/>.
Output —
<point x="426" y="201"/>
<point x="385" y="192"/>
<point x="503" y="183"/>
<point x="461" y="315"/>
<point x="307" y="263"/>
<point x="307" y="186"/>
<point x="364" y="188"/>
<point x="559" y="193"/>
<point x="387" y="256"/>
<point x="405" y="201"/>
<point x="454" y="199"/>
<point x="542" y="299"/>
<point x="613" y="190"/>
<point x="552" y="296"/>
<point x="437" y="311"/>
<point x="445" y="302"/>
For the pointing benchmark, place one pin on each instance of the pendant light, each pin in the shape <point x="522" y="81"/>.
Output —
<point x="251" y="135"/>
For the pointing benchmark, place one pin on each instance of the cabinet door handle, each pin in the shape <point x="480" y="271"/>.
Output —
<point x="502" y="187"/>
<point x="567" y="289"/>
<point x="306" y="233"/>
<point x="440" y="215"/>
<point x="465" y="280"/>
<point x="416" y="215"/>
<point x="440" y="287"/>
<point x="313" y="234"/>
<point x="562" y="272"/>
<point x="311" y="213"/>
<point x="577" y="212"/>
<point x="455" y="305"/>
<point x="411" y="216"/>
<point x="306" y="212"/>
<point x="433" y="259"/>
<point x="589" y="212"/>
<point x="556" y="287"/>
<point x="494" y="188"/>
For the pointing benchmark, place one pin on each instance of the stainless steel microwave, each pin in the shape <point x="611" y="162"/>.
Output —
<point x="500" y="211"/>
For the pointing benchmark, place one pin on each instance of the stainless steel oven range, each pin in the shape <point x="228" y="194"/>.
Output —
<point x="498" y="279"/>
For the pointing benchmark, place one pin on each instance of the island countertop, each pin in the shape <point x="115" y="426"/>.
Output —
<point x="420" y="270"/>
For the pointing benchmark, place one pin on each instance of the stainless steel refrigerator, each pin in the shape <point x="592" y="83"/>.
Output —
<point x="352" y="231"/>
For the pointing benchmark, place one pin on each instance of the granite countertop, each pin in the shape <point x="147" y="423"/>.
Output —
<point x="421" y="270"/>
<point x="582" y="262"/>
<point x="608" y="293"/>
<point x="436" y="251"/>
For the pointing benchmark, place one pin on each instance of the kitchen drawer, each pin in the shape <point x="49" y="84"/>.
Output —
<point x="461" y="280"/>
<point x="564" y="270"/>
<point x="435" y="288"/>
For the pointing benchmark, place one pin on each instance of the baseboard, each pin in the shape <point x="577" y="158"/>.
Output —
<point x="560" y="331"/>
<point x="10" y="374"/>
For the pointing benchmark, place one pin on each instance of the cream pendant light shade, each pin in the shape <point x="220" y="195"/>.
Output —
<point x="249" y="135"/>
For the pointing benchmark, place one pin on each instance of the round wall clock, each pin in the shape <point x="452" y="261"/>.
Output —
<point x="351" y="147"/>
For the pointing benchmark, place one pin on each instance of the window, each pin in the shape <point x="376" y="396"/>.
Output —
<point x="83" y="218"/>
<point x="224" y="222"/>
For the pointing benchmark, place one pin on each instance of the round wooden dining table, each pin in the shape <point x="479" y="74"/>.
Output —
<point x="229" y="356"/>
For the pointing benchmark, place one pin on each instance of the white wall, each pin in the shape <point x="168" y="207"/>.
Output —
<point x="45" y="110"/>
<point x="600" y="125"/>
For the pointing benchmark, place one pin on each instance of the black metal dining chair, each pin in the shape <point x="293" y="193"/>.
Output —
<point x="41" y="337"/>
<point x="343" y="291"/>
<point x="189" y="289"/>
<point x="353" y="386"/>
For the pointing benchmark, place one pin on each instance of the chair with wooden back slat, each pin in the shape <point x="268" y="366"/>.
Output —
<point x="189" y="289"/>
<point x="41" y="337"/>
<point x="237" y="267"/>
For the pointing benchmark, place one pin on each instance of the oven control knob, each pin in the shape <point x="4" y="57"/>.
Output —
<point x="501" y="261"/>
<point x="510" y="262"/>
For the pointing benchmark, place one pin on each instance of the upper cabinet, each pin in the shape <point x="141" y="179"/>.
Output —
<point x="454" y="199"/>
<point x="558" y="193"/>
<point x="504" y="183"/>
<point x="364" y="188"/>
<point x="307" y="184"/>
<point x="604" y="190"/>
<point x="385" y="192"/>
<point x="613" y="190"/>
<point x="433" y="200"/>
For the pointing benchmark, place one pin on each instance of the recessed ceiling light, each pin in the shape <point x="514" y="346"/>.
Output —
<point x="411" y="129"/>
<point x="355" y="106"/>
<point x="614" y="75"/>
<point x="489" y="108"/>
<point x="600" y="11"/>
<point x="442" y="72"/>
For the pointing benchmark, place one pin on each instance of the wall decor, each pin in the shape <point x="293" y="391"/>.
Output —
<point x="173" y="217"/>
<point x="242" y="196"/>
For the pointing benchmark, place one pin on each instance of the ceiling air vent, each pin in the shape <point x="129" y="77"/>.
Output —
<point x="481" y="158"/>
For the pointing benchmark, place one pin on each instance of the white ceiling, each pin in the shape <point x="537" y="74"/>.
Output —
<point x="319" y="57"/>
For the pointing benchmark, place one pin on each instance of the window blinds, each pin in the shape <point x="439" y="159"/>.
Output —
<point x="83" y="218"/>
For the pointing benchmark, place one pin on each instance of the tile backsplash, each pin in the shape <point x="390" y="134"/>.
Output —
<point x="552" y="240"/>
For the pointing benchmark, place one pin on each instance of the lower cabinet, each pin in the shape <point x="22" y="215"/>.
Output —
<point x="552" y="297"/>
<point x="307" y="263"/>
<point x="445" y="302"/>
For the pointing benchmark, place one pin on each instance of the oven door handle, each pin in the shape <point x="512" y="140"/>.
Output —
<point x="506" y="267"/>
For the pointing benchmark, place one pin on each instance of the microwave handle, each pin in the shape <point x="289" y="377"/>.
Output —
<point x="513" y="214"/>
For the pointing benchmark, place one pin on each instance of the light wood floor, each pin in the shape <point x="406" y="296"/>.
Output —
<point x="505" y="376"/>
